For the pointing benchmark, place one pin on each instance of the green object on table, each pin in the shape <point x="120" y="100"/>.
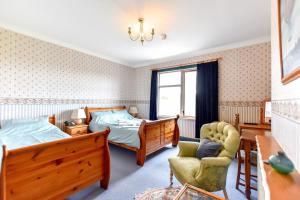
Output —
<point x="281" y="163"/>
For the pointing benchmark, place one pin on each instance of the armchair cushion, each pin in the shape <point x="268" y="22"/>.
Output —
<point x="215" y="162"/>
<point x="208" y="148"/>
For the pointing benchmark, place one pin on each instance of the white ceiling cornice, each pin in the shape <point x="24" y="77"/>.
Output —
<point x="206" y="51"/>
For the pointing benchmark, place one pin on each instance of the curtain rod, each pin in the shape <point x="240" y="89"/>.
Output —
<point x="187" y="64"/>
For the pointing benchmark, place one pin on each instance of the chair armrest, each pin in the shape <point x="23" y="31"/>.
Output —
<point x="188" y="149"/>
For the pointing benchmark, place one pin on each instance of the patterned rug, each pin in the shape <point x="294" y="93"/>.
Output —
<point x="159" y="194"/>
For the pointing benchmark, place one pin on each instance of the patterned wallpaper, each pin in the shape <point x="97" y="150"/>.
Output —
<point x="35" y="72"/>
<point x="35" y="69"/>
<point x="244" y="73"/>
<point x="39" y="78"/>
<point x="31" y="68"/>
<point x="244" y="80"/>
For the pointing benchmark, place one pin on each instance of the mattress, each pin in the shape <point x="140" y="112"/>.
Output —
<point x="123" y="131"/>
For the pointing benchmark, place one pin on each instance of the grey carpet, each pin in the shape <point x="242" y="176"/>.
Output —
<point x="128" y="179"/>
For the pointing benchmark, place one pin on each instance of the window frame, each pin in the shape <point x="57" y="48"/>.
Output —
<point x="182" y="91"/>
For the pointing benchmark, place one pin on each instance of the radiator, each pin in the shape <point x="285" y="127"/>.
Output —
<point x="249" y="113"/>
<point x="186" y="127"/>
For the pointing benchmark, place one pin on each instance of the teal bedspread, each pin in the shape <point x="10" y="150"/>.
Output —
<point x="22" y="135"/>
<point x="123" y="131"/>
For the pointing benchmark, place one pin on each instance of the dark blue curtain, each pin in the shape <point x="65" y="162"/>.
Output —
<point x="206" y="94"/>
<point x="153" y="97"/>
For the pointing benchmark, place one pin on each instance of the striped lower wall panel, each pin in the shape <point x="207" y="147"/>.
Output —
<point x="226" y="113"/>
<point x="247" y="113"/>
<point x="62" y="111"/>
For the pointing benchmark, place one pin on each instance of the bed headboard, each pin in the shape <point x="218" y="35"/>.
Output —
<point x="89" y="110"/>
<point x="52" y="119"/>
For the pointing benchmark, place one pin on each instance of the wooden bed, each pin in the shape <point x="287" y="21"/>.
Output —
<point x="56" y="169"/>
<point x="154" y="135"/>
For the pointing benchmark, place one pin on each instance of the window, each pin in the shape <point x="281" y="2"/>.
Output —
<point x="177" y="93"/>
<point x="169" y="93"/>
<point x="190" y="93"/>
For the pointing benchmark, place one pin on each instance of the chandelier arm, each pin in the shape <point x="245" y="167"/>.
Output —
<point x="134" y="38"/>
<point x="150" y="38"/>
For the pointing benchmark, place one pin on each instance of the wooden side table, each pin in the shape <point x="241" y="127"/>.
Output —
<point x="190" y="192"/>
<point x="76" y="130"/>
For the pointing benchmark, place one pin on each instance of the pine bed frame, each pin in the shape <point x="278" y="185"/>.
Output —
<point x="153" y="135"/>
<point x="56" y="169"/>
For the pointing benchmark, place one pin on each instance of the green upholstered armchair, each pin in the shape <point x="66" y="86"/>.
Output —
<point x="209" y="173"/>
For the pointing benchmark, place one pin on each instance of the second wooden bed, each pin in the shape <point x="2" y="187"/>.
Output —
<point x="153" y="135"/>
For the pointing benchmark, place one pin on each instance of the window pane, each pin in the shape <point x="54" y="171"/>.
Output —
<point x="170" y="78"/>
<point x="169" y="101"/>
<point x="190" y="93"/>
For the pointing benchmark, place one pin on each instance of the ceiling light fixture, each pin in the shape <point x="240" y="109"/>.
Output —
<point x="140" y="34"/>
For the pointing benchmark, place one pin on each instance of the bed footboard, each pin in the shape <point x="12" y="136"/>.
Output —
<point x="55" y="169"/>
<point x="155" y="135"/>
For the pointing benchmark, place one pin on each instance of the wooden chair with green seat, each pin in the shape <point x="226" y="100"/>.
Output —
<point x="208" y="173"/>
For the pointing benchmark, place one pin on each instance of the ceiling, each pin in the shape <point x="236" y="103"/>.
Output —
<point x="99" y="27"/>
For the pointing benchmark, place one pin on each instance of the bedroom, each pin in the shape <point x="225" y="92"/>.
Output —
<point x="75" y="61"/>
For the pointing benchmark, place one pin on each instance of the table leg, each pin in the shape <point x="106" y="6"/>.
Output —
<point x="247" y="148"/>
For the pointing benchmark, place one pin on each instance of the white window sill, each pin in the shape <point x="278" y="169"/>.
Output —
<point x="180" y="117"/>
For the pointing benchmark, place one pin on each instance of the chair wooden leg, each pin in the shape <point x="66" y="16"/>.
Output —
<point x="239" y="159"/>
<point x="171" y="177"/>
<point x="225" y="194"/>
<point x="247" y="149"/>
